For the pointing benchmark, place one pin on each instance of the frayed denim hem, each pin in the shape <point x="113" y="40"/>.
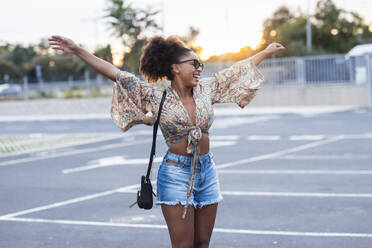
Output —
<point x="206" y="203"/>
<point x="183" y="203"/>
<point x="173" y="203"/>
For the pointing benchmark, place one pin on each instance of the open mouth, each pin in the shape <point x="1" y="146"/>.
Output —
<point x="196" y="77"/>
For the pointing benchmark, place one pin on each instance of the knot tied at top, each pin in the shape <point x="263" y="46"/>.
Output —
<point x="194" y="137"/>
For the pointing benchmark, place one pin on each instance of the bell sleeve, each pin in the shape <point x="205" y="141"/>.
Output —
<point x="131" y="101"/>
<point x="236" y="84"/>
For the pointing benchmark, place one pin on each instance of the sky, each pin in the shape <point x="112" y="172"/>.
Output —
<point x="225" y="26"/>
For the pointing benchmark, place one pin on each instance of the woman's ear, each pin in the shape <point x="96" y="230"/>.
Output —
<point x="175" y="68"/>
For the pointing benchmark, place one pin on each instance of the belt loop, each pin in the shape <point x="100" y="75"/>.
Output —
<point x="201" y="171"/>
<point x="179" y="161"/>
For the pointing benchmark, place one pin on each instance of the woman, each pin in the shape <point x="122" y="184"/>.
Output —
<point x="187" y="184"/>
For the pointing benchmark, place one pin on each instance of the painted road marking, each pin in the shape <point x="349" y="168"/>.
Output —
<point x="326" y="157"/>
<point x="214" y="144"/>
<point x="74" y="152"/>
<point x="279" y="153"/>
<point x="224" y="137"/>
<point x="111" y="161"/>
<point x="120" y="160"/>
<point x="318" y="172"/>
<point x="67" y="202"/>
<point x="23" y="144"/>
<point x="218" y="230"/>
<point x="297" y="194"/>
<point x="263" y="137"/>
<point x="282" y="194"/>
<point x="306" y="137"/>
<point x="236" y="121"/>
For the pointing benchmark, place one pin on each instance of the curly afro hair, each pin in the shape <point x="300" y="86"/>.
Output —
<point x="158" y="55"/>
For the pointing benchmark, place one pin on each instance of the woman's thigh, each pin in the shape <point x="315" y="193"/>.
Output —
<point x="181" y="231"/>
<point x="204" y="219"/>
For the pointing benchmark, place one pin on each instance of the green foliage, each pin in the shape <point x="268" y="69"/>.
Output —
<point x="329" y="18"/>
<point x="72" y="94"/>
<point x="47" y="94"/>
<point x="21" y="55"/>
<point x="190" y="39"/>
<point x="281" y="16"/>
<point x="334" y="30"/>
<point x="104" y="53"/>
<point x="132" y="59"/>
<point x="131" y="25"/>
<point x="8" y="68"/>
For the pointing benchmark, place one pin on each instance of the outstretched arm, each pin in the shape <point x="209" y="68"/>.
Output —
<point x="270" y="49"/>
<point x="67" y="45"/>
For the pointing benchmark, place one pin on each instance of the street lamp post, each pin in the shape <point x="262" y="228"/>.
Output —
<point x="308" y="28"/>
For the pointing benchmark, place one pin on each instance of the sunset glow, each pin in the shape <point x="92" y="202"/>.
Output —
<point x="214" y="46"/>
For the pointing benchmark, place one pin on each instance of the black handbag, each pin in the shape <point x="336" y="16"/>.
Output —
<point x="144" y="195"/>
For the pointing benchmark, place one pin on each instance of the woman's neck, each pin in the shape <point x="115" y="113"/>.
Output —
<point x="182" y="91"/>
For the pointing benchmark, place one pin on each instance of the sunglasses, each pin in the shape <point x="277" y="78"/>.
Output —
<point x="195" y="63"/>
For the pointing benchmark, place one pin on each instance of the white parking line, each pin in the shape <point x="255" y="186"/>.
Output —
<point x="282" y="194"/>
<point x="216" y="230"/>
<point x="74" y="152"/>
<point x="222" y="123"/>
<point x="224" y="137"/>
<point x="112" y="161"/>
<point x="67" y="202"/>
<point x="306" y="137"/>
<point x="326" y="157"/>
<point x="297" y="194"/>
<point x="279" y="153"/>
<point x="222" y="143"/>
<point x="34" y="142"/>
<point x="263" y="137"/>
<point x="318" y="172"/>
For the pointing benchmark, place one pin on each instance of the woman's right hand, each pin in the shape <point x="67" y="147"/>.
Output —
<point x="63" y="43"/>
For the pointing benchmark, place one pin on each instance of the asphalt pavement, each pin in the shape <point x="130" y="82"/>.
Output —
<point x="288" y="180"/>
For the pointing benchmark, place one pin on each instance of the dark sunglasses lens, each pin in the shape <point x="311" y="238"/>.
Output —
<point x="197" y="64"/>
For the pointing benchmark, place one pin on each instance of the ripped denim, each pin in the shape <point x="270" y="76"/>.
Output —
<point x="173" y="178"/>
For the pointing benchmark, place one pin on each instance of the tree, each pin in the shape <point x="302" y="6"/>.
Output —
<point x="338" y="30"/>
<point x="271" y="26"/>
<point x="104" y="53"/>
<point x="334" y="30"/>
<point x="131" y="25"/>
<point x="190" y="39"/>
<point x="8" y="68"/>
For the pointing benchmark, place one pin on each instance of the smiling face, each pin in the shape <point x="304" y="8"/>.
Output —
<point x="186" y="71"/>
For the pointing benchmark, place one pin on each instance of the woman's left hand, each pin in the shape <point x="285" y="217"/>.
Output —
<point x="274" y="47"/>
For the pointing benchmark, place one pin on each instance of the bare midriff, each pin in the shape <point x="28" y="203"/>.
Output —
<point x="180" y="148"/>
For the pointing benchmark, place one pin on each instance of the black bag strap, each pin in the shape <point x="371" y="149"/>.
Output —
<point x="154" y="136"/>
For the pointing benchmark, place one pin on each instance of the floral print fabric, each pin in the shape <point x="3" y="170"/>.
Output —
<point x="137" y="102"/>
<point x="133" y="100"/>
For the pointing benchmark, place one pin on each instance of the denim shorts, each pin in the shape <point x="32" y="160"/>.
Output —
<point x="173" y="179"/>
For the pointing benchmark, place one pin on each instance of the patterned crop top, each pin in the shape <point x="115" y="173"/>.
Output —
<point x="133" y="100"/>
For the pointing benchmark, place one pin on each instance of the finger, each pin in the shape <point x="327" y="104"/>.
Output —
<point x="56" y="36"/>
<point x="53" y="43"/>
<point x="53" y="40"/>
<point x="57" y="48"/>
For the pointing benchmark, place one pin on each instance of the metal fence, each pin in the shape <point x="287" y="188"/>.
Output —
<point x="324" y="71"/>
<point x="320" y="70"/>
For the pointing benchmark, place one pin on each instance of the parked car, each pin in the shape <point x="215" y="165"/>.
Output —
<point x="358" y="58"/>
<point x="10" y="90"/>
<point x="360" y="50"/>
